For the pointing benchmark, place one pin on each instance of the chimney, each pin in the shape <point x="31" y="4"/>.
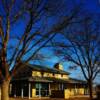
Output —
<point x="58" y="66"/>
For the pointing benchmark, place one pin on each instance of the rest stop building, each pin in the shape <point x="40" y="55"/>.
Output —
<point x="38" y="81"/>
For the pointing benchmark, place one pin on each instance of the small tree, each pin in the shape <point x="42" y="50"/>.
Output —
<point x="80" y="45"/>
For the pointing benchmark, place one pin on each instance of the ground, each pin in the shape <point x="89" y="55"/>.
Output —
<point x="73" y="98"/>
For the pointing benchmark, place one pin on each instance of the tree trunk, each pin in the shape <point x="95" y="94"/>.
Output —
<point x="5" y="90"/>
<point x="90" y="89"/>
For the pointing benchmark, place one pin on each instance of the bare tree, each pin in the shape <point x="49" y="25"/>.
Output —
<point x="80" y="45"/>
<point x="16" y="48"/>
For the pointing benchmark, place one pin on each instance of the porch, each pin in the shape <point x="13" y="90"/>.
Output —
<point x="45" y="87"/>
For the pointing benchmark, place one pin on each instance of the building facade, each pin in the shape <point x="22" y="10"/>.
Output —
<point x="39" y="81"/>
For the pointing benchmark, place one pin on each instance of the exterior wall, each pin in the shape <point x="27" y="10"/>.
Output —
<point x="65" y="77"/>
<point x="33" y="92"/>
<point x="71" y="92"/>
<point x="36" y="73"/>
<point x="66" y="93"/>
<point x="46" y="74"/>
<point x="81" y="91"/>
<point x="74" y="89"/>
<point x="57" y="75"/>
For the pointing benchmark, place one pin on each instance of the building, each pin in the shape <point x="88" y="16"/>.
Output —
<point x="98" y="91"/>
<point x="39" y="81"/>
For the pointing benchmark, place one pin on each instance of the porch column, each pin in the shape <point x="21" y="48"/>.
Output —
<point x="75" y="90"/>
<point x="49" y="89"/>
<point x="29" y="91"/>
<point x="59" y="86"/>
<point x="10" y="88"/>
<point x="85" y="89"/>
<point x="62" y="87"/>
<point x="22" y="90"/>
<point x="15" y="91"/>
<point x="39" y="90"/>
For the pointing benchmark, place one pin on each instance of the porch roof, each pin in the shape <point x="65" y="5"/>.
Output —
<point x="73" y="80"/>
<point x="51" y="80"/>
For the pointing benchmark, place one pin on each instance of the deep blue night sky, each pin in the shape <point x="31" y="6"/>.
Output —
<point x="91" y="6"/>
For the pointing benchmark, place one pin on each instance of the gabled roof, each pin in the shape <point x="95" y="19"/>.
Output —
<point x="46" y="69"/>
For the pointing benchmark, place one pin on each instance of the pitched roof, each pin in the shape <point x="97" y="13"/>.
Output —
<point x="26" y="70"/>
<point x="46" y="69"/>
